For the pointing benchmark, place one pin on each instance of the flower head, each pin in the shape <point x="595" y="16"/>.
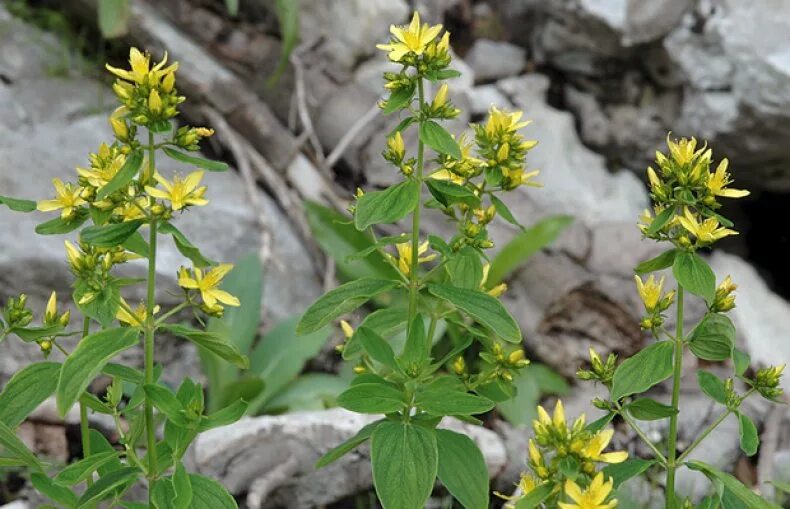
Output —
<point x="181" y="192"/>
<point x="706" y="232"/>
<point x="720" y="179"/>
<point x="650" y="291"/>
<point x="594" y="497"/>
<point x="68" y="198"/>
<point x="592" y="449"/>
<point x="413" y="38"/>
<point x="500" y="121"/>
<point x="208" y="284"/>
<point x="405" y="256"/>
<point x="138" y="315"/>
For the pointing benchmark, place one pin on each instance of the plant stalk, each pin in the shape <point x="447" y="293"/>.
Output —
<point x="150" y="328"/>
<point x="415" y="228"/>
<point x="673" y="420"/>
<point x="84" y="425"/>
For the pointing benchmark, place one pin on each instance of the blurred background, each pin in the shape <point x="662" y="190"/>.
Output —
<point x="291" y="88"/>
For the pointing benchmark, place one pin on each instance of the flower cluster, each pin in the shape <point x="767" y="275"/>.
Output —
<point x="599" y="370"/>
<point x="655" y="301"/>
<point x="566" y="457"/>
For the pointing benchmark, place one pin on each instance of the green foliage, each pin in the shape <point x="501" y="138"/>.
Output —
<point x="462" y="469"/>
<point x="644" y="370"/>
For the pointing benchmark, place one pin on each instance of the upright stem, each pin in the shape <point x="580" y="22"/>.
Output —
<point x="673" y="420"/>
<point x="415" y="226"/>
<point x="150" y="326"/>
<point x="84" y="425"/>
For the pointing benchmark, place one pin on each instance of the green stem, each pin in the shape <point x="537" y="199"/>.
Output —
<point x="84" y="425"/>
<point x="641" y="434"/>
<point x="673" y="420"/>
<point x="170" y="313"/>
<point x="150" y="329"/>
<point x="415" y="228"/>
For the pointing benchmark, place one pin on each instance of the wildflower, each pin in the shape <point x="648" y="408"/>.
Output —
<point x="138" y="315"/>
<point x="500" y="121"/>
<point x="180" y="192"/>
<point x="591" y="498"/>
<point x="593" y="448"/>
<point x="706" y="232"/>
<point x="767" y="380"/>
<point x="141" y="70"/>
<point x="405" y="256"/>
<point x="495" y="291"/>
<point x="526" y="484"/>
<point x="105" y="164"/>
<point x="413" y="38"/>
<point x="724" y="300"/>
<point x="459" y="365"/>
<point x="154" y="101"/>
<point x="348" y="330"/>
<point x="74" y="256"/>
<point x="650" y="291"/>
<point x="207" y="284"/>
<point x="519" y="178"/>
<point x="68" y="198"/>
<point x="683" y="151"/>
<point x="118" y="124"/>
<point x="440" y="99"/>
<point x="396" y="149"/>
<point x="720" y="179"/>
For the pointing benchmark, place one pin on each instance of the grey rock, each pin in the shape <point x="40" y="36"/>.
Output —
<point x="492" y="60"/>
<point x="648" y="21"/>
<point x="485" y="96"/>
<point x="330" y="20"/>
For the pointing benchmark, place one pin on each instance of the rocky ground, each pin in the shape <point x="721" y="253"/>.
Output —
<point x="603" y="83"/>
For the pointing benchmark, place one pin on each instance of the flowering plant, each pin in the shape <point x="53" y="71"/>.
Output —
<point x="121" y="192"/>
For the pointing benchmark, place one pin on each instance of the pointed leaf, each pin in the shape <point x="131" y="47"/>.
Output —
<point x="387" y="206"/>
<point x="200" y="162"/>
<point x="343" y="299"/>
<point x="26" y="390"/>
<point x="18" y="205"/>
<point x="643" y="370"/>
<point x="750" y="439"/>
<point x="110" y="235"/>
<point x="484" y="308"/>
<point x="211" y="342"/>
<point x="694" y="275"/>
<point x="462" y="469"/>
<point x="125" y="175"/>
<point x="349" y="445"/>
<point x="372" y="398"/>
<point x="437" y="137"/>
<point x="209" y="494"/>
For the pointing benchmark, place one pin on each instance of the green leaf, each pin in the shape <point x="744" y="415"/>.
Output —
<point x="713" y="386"/>
<point x="524" y="245"/>
<point x="600" y="423"/>
<point x="385" y="321"/>
<point x="740" y="492"/>
<point x="288" y="16"/>
<point x="108" y="484"/>
<point x="308" y="392"/>
<point x="372" y="398"/>
<point x="167" y="403"/>
<point x="417" y="349"/>
<point x="750" y="439"/>
<point x="26" y="390"/>
<point x="399" y="99"/>
<point x="87" y="361"/>
<point x="437" y="137"/>
<point x="184" y="246"/>
<point x="378" y="349"/>
<point x="59" y="225"/>
<point x="182" y="486"/>
<point x="660" y="221"/>
<point x="531" y="383"/>
<point x="125" y="175"/>
<point x="246" y="387"/>
<point x="113" y="18"/>
<point x="646" y="409"/>
<point x="29" y="334"/>
<point x="81" y="470"/>
<point x="162" y="493"/>
<point x="349" y="445"/>
<point x="643" y="370"/>
<point x="337" y="236"/>
<point x="387" y="206"/>
<point x="713" y="339"/>
<point x="462" y="469"/>
<point x="55" y="492"/>
<point x="405" y="463"/>
<point x="104" y="306"/>
<point x="484" y="308"/>
<point x="17" y="204"/>
<point x="660" y="262"/>
<point x="444" y="402"/>
<point x="628" y="469"/>
<point x="504" y="212"/>
<point x="209" y="494"/>
<point x="136" y="244"/>
<point x="110" y="235"/>
<point x="281" y="355"/>
<point x="535" y="497"/>
<point x="227" y="415"/>
<point x="740" y="360"/>
<point x="465" y="269"/>
<point x="211" y="342"/>
<point x="448" y="193"/>
<point x="694" y="275"/>
<point x="193" y="160"/>
<point x="100" y="445"/>
<point x="17" y="448"/>
<point x="343" y="299"/>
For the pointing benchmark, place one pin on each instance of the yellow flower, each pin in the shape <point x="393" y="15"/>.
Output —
<point x="495" y="291"/>
<point x="650" y="291"/>
<point x="440" y="99"/>
<point x="593" y="449"/>
<point x="154" y="101"/>
<point x="118" y="124"/>
<point x="137" y="317"/>
<point x="207" y="284"/>
<point x="720" y="179"/>
<point x="140" y="64"/>
<point x="653" y="178"/>
<point x="180" y="192"/>
<point x="519" y="178"/>
<point x="68" y="197"/>
<point x="447" y="175"/>
<point x="413" y="38"/>
<point x="405" y="256"/>
<point x="500" y="121"/>
<point x="526" y="484"/>
<point x="706" y="232"/>
<point x="105" y="164"/>
<point x="396" y="146"/>
<point x="591" y="498"/>
<point x="348" y="330"/>
<point x="682" y="151"/>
